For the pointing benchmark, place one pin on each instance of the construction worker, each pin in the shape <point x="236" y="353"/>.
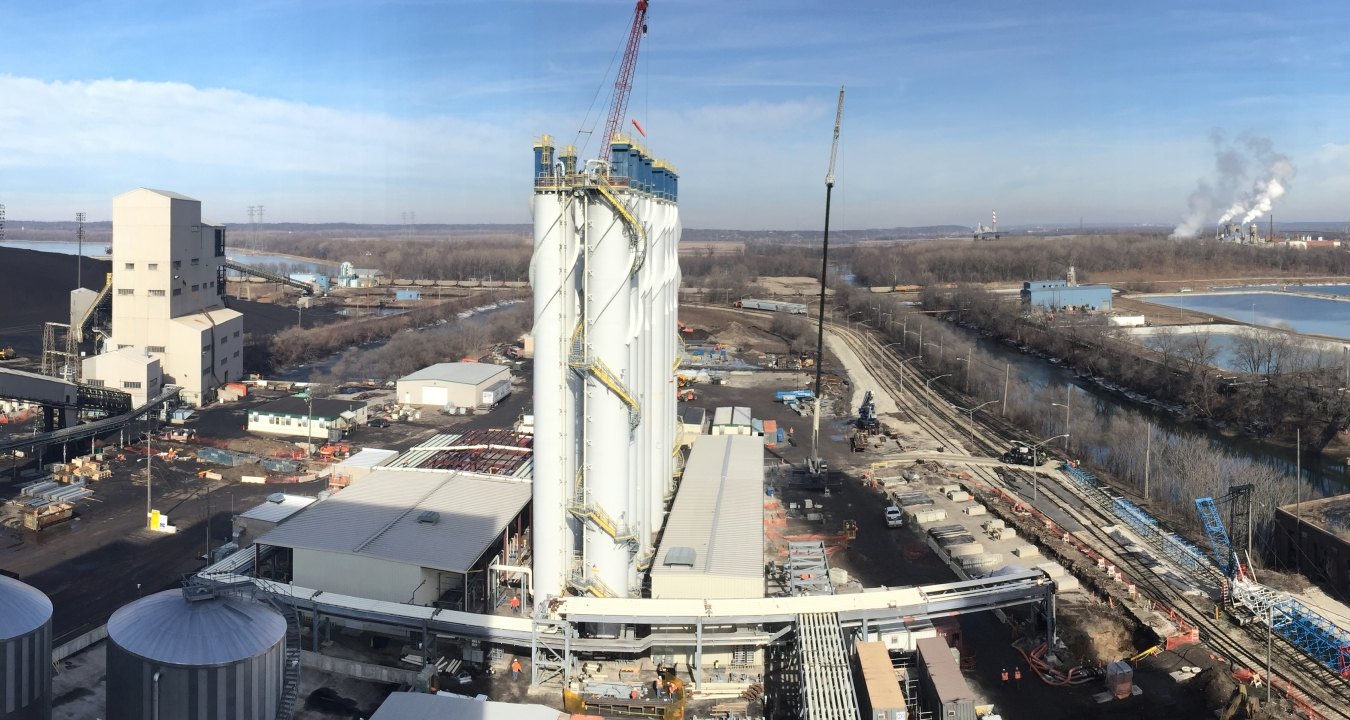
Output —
<point x="515" y="670"/>
<point x="1004" y="677"/>
<point x="515" y="604"/>
<point x="633" y="694"/>
<point x="1017" y="677"/>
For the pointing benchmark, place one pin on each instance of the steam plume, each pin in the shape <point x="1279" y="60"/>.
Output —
<point x="1249" y="176"/>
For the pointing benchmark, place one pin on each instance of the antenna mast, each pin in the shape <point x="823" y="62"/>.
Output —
<point x="79" y="256"/>
<point x="815" y="464"/>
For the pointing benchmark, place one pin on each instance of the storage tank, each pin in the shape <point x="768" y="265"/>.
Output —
<point x="215" y="657"/>
<point x="25" y="652"/>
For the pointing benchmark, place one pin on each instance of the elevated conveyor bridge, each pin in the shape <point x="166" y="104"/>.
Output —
<point x="268" y="275"/>
<point x="90" y="429"/>
<point x="60" y="399"/>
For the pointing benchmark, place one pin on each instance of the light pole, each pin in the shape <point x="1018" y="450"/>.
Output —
<point x="939" y="347"/>
<point x="917" y="334"/>
<point x="928" y="390"/>
<point x="971" y="412"/>
<point x="1035" y="487"/>
<point x="1068" y="397"/>
<point x="965" y="360"/>
<point x="902" y="372"/>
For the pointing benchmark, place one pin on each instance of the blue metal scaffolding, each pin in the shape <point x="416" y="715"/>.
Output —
<point x="1218" y="537"/>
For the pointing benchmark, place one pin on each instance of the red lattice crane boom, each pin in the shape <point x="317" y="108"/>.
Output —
<point x="623" y="83"/>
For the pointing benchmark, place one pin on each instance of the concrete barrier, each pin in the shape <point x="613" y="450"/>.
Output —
<point x="70" y="647"/>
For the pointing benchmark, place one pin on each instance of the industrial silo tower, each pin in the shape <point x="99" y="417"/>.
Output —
<point x="605" y="275"/>
<point x="193" y="655"/>
<point x="25" y="652"/>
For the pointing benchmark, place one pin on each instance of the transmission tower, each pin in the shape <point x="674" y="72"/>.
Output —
<point x="2" y="222"/>
<point x="79" y="254"/>
<point x="257" y="239"/>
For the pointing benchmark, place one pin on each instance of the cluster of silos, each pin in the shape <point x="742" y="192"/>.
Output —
<point x="600" y="300"/>
<point x="25" y="652"/>
<point x="215" y="657"/>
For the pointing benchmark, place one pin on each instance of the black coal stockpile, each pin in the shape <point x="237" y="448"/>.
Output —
<point x="35" y="289"/>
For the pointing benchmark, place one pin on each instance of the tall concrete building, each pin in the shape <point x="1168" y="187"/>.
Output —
<point x="168" y="292"/>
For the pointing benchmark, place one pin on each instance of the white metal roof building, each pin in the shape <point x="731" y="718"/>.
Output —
<point x="400" y="536"/>
<point x="363" y="463"/>
<point x="460" y="384"/>
<point x="261" y="519"/>
<point x="713" y="544"/>
<point x="422" y="706"/>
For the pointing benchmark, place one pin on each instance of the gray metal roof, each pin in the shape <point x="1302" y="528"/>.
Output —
<point x="163" y="193"/>
<point x="459" y="372"/>
<point x="368" y="458"/>
<point x="166" y="628"/>
<point x="421" y="706"/>
<point x="719" y="510"/>
<point x="25" y="608"/>
<point x="378" y="518"/>
<point x="275" y="512"/>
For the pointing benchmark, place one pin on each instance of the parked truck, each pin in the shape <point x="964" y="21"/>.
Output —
<point x="1024" y="455"/>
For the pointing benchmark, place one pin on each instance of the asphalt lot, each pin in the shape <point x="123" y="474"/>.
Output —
<point x="105" y="558"/>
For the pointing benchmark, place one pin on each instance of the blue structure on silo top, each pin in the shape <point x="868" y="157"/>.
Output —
<point x="621" y="154"/>
<point x="1060" y="295"/>
<point x="543" y="158"/>
<point x="630" y="166"/>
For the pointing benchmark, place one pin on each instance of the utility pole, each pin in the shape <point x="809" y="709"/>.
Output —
<point x="1007" y="375"/>
<point x="1148" y="456"/>
<point x="969" y="367"/>
<point x="149" y="455"/>
<point x="1298" y="495"/>
<point x="79" y="253"/>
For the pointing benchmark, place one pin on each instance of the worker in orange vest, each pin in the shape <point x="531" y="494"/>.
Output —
<point x="1004" y="677"/>
<point x="515" y="670"/>
<point x="1017" y="677"/>
<point x="515" y="604"/>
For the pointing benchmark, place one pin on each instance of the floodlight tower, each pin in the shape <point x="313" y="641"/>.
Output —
<point x="814" y="464"/>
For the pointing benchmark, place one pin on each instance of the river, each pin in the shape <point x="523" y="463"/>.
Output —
<point x="247" y="257"/>
<point x="1328" y="475"/>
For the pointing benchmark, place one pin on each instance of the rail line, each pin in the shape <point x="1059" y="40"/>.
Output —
<point x="1324" y="692"/>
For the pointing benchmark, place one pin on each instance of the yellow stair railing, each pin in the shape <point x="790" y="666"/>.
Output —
<point x="580" y="360"/>
<point x="636" y="236"/>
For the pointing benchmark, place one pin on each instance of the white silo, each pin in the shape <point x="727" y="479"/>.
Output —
<point x="25" y="652"/>
<point x="603" y="274"/>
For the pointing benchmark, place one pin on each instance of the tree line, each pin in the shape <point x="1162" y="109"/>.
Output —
<point x="1138" y="258"/>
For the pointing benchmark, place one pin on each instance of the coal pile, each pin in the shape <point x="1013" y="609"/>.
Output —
<point x="35" y="289"/>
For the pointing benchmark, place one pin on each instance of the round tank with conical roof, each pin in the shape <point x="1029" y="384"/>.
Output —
<point x="215" y="657"/>
<point x="25" y="652"/>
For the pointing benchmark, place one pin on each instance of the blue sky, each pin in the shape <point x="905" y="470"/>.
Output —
<point x="359" y="111"/>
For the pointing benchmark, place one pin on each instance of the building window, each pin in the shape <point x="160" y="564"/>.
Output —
<point x="225" y="339"/>
<point x="195" y="288"/>
<point x="130" y="266"/>
<point x="177" y="292"/>
<point x="236" y="353"/>
<point x="94" y="381"/>
<point x="156" y="293"/>
<point x="155" y="348"/>
<point x="224" y="362"/>
<point x="131" y="384"/>
<point x="125" y="291"/>
<point x="236" y="333"/>
<point x="119" y="347"/>
<point x="177" y="264"/>
<point x="196" y="262"/>
<point x="153" y="266"/>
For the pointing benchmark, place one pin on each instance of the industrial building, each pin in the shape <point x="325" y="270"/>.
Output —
<point x="1313" y="536"/>
<point x="132" y="370"/>
<point x="414" y="537"/>
<point x="1058" y="295"/>
<point x="606" y="276"/>
<point x="458" y="384"/>
<point x="421" y="706"/>
<point x="313" y="419"/>
<point x="168" y="300"/>
<point x="713" y="544"/>
<point x="265" y="517"/>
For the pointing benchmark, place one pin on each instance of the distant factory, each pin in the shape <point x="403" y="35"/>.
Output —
<point x="1066" y="294"/>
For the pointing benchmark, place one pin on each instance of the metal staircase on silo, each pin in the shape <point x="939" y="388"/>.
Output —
<point x="290" y="678"/>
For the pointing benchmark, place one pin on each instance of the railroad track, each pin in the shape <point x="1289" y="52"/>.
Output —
<point x="1328" y="693"/>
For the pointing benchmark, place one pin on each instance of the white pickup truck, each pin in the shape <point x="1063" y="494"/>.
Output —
<point x="894" y="518"/>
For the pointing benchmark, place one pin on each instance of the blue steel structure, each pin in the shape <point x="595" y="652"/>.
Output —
<point x="1301" y="626"/>
<point x="1147" y="527"/>
<point x="1218" y="537"/>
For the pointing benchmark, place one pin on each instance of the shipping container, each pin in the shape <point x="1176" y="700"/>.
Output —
<point x="946" y="693"/>
<point x="799" y="395"/>
<point x="497" y="393"/>
<point x="882" y="697"/>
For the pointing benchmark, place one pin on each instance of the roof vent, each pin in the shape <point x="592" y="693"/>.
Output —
<point x="277" y="498"/>
<point x="680" y="557"/>
<point x="430" y="517"/>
